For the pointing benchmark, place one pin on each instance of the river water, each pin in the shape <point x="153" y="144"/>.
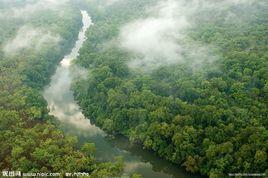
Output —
<point x="62" y="105"/>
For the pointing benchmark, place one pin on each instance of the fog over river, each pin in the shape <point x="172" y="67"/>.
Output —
<point x="62" y="105"/>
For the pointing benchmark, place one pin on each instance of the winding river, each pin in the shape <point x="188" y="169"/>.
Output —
<point x="62" y="105"/>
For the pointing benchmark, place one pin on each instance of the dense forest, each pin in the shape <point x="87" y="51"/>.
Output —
<point x="187" y="80"/>
<point x="34" y="38"/>
<point x="196" y="95"/>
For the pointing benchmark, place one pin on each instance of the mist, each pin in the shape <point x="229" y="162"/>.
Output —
<point x="161" y="38"/>
<point x="154" y="38"/>
<point x="32" y="7"/>
<point x="28" y="37"/>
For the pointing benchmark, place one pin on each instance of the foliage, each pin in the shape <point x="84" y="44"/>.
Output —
<point x="212" y="120"/>
<point x="30" y="142"/>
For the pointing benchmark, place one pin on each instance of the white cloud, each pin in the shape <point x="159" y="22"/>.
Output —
<point x="160" y="38"/>
<point x="28" y="37"/>
<point x="155" y="38"/>
<point x="30" y="8"/>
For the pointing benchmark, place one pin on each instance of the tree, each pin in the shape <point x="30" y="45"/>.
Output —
<point x="88" y="148"/>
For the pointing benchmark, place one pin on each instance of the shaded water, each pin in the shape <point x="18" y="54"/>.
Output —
<point x="62" y="105"/>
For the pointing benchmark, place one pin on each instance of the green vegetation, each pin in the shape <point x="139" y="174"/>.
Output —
<point x="30" y="142"/>
<point x="211" y="120"/>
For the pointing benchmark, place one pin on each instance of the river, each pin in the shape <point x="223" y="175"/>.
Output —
<point x="62" y="105"/>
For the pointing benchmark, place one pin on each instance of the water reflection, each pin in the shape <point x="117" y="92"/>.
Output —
<point x="58" y="94"/>
<point x="147" y="160"/>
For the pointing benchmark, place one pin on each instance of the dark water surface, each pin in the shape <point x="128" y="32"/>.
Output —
<point x="62" y="105"/>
